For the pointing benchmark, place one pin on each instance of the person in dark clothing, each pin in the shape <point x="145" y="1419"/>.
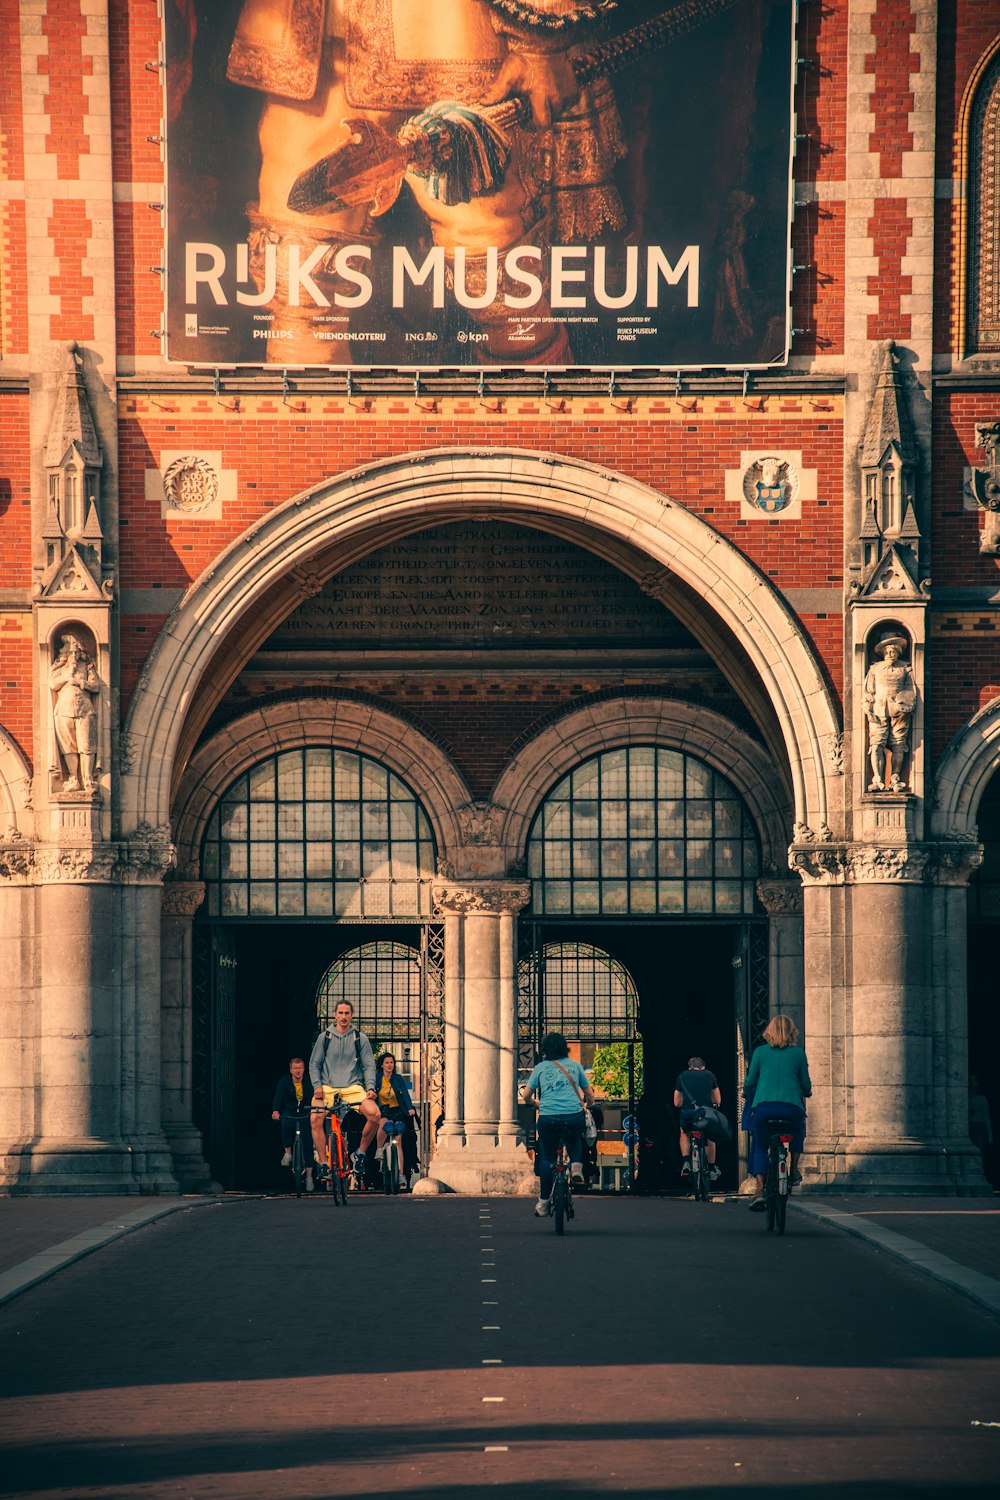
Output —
<point x="694" y="1087"/>
<point x="293" y="1096"/>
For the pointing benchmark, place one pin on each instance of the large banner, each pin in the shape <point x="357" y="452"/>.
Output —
<point x="486" y="183"/>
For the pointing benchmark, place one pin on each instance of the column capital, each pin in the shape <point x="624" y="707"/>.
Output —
<point x="780" y="898"/>
<point x="140" y="859"/>
<point x="491" y="897"/>
<point x="945" y="862"/>
<point x="181" y="898"/>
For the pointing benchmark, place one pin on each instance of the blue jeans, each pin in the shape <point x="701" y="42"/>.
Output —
<point x="760" y="1116"/>
<point x="550" y="1127"/>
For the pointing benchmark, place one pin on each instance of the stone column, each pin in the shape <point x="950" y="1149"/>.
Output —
<point x="782" y="900"/>
<point x="885" y="1020"/>
<point x="180" y="901"/>
<point x="97" y="1091"/>
<point x="18" y="1009"/>
<point x="481" y="1150"/>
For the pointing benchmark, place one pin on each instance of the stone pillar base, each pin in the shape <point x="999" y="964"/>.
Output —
<point x="187" y="1152"/>
<point x="938" y="1168"/>
<point x="88" y="1168"/>
<point x="484" y="1166"/>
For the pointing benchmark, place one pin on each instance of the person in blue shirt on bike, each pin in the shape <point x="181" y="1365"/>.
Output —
<point x="778" y="1079"/>
<point x="560" y="1088"/>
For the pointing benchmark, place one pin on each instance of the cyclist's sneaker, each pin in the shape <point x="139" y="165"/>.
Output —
<point x="286" y="1160"/>
<point x="795" y="1178"/>
<point x="322" y="1171"/>
<point x="686" y="1167"/>
<point x="360" y="1163"/>
<point x="542" y="1208"/>
<point x="310" y="1185"/>
<point x="757" y="1204"/>
<point x="379" y="1153"/>
<point x="576" y="1171"/>
<point x="714" y="1174"/>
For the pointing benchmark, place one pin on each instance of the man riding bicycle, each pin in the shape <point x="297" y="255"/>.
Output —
<point x="695" y="1087"/>
<point x="342" y="1068"/>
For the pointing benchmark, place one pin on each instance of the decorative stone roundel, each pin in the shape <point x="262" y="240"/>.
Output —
<point x="190" y="483"/>
<point x="770" y="484"/>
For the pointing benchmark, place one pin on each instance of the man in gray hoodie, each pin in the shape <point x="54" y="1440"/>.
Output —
<point x="342" y="1068"/>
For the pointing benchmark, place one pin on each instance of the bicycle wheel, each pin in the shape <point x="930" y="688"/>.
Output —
<point x="390" y="1167"/>
<point x="771" y="1190"/>
<point x="701" y="1177"/>
<point x="780" y="1207"/>
<point x="338" y="1168"/>
<point x="559" y="1205"/>
<point x="298" y="1163"/>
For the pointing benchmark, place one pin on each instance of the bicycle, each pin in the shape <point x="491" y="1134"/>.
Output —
<point x="302" y="1153"/>
<point x="777" y="1183"/>
<point x="339" y="1168"/>
<point x="393" y="1132"/>
<point x="701" y="1170"/>
<point x="561" y="1197"/>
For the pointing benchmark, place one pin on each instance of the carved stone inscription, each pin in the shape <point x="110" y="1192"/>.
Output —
<point x="480" y="585"/>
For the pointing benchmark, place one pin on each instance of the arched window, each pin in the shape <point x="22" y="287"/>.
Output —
<point x="583" y="992"/>
<point x="318" y="832"/>
<point x="382" y="982"/>
<point x="643" y="831"/>
<point x="984" y="213"/>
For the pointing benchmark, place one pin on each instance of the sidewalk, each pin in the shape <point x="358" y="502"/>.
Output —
<point x="39" y="1236"/>
<point x="955" y="1240"/>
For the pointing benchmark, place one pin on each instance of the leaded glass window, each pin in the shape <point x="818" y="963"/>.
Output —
<point x="318" y="832"/>
<point x="643" y="831"/>
<point x="584" y="993"/>
<point x="382" y="982"/>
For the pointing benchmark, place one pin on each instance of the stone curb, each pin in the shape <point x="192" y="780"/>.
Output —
<point x="47" y="1262"/>
<point x="974" y="1284"/>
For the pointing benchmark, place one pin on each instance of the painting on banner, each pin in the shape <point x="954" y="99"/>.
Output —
<point x="486" y="183"/>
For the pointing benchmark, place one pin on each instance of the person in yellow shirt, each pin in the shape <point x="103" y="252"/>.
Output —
<point x="394" y="1103"/>
<point x="293" y="1096"/>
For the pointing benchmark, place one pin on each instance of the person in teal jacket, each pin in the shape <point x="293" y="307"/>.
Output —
<point x="778" y="1080"/>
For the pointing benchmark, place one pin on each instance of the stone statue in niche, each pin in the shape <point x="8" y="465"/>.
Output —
<point x="75" y="683"/>
<point x="890" y="698"/>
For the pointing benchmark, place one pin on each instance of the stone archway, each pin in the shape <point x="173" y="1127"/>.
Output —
<point x="290" y="724"/>
<point x="962" y="773"/>
<point x="419" y="489"/>
<point x="15" y="789"/>
<point x="714" y="739"/>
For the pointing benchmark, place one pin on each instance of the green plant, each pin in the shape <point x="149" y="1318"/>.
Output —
<point x="609" y="1073"/>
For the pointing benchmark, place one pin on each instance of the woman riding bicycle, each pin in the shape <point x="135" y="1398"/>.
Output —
<point x="394" y="1103"/>
<point x="560" y="1088"/>
<point x="778" y="1078"/>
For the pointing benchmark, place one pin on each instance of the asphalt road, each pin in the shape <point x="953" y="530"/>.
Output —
<point x="446" y="1347"/>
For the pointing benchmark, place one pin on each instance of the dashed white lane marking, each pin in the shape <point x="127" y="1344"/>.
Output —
<point x="487" y="1281"/>
<point x="491" y="1361"/>
<point x="493" y="1398"/>
<point x="491" y="1327"/>
<point x="496" y="1449"/>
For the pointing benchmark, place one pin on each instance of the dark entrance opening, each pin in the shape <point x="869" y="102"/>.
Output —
<point x="275" y="970"/>
<point x="984" y="933"/>
<point x="690" y="1004"/>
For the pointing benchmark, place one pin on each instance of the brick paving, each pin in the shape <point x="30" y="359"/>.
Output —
<point x="278" y="1348"/>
